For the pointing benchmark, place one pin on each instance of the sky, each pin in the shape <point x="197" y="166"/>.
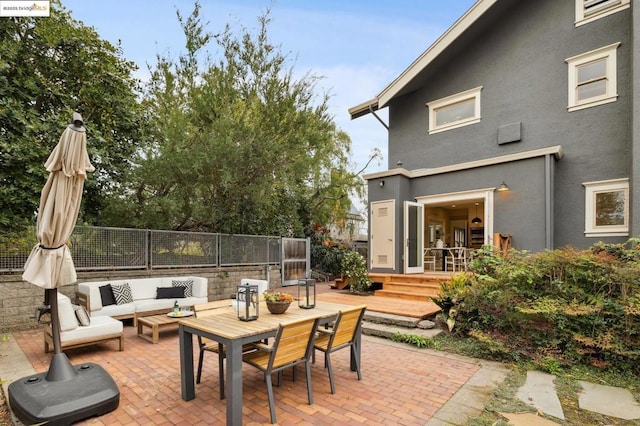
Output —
<point x="357" y="46"/>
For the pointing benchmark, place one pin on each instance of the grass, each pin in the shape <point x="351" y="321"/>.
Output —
<point x="504" y="397"/>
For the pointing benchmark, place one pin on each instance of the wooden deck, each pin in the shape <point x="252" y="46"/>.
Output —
<point x="406" y="295"/>
<point x="410" y="286"/>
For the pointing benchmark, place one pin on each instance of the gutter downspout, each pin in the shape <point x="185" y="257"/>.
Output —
<point x="377" y="117"/>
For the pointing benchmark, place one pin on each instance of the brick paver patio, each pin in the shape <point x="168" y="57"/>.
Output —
<point x="400" y="384"/>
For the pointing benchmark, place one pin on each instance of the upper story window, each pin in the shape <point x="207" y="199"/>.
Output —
<point x="607" y="208"/>
<point x="590" y="10"/>
<point x="454" y="111"/>
<point x="592" y="78"/>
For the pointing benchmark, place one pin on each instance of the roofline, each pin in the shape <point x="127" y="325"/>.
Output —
<point x="444" y="41"/>
<point x="555" y="150"/>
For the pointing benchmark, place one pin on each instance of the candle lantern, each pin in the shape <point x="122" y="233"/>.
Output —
<point x="248" y="302"/>
<point x="307" y="293"/>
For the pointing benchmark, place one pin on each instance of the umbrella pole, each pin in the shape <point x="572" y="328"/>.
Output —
<point x="60" y="368"/>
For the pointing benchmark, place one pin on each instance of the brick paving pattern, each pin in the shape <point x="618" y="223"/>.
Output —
<point x="400" y="385"/>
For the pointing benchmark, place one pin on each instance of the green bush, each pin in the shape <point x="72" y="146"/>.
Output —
<point x="558" y="307"/>
<point x="354" y="267"/>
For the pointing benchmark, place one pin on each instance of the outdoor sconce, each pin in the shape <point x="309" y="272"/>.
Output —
<point x="307" y="293"/>
<point x="503" y="187"/>
<point x="248" y="302"/>
<point x="381" y="183"/>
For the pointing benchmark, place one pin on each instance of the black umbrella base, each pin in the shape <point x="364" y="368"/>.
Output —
<point x="91" y="392"/>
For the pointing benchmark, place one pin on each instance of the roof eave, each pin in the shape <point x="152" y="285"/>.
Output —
<point x="364" y="108"/>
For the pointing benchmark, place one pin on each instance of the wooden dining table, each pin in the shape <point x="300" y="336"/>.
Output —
<point x="225" y="328"/>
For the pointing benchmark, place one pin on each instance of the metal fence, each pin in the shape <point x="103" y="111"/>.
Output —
<point x="99" y="248"/>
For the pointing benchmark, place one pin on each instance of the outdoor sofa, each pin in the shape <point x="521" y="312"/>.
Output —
<point x="138" y="297"/>
<point x="78" y="329"/>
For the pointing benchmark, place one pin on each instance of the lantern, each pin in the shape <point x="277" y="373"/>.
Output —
<point x="248" y="302"/>
<point x="307" y="293"/>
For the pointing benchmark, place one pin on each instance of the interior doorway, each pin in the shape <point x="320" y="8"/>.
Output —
<point x="460" y="219"/>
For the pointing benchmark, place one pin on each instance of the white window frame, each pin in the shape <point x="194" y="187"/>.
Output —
<point x="584" y="16"/>
<point x="607" y="53"/>
<point x="593" y="188"/>
<point x="434" y="106"/>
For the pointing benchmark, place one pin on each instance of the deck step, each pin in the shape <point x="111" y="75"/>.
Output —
<point x="388" y="331"/>
<point x="419" y="287"/>
<point x="405" y="295"/>
<point x="388" y="325"/>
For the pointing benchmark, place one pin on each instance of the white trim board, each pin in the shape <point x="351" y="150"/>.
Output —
<point x="552" y="150"/>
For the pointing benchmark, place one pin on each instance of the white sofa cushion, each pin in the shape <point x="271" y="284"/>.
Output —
<point x="66" y="314"/>
<point x="100" y="326"/>
<point x="115" y="310"/>
<point x="263" y="285"/>
<point x="145" y="288"/>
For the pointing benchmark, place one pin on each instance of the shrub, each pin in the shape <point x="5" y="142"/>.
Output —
<point x="354" y="267"/>
<point x="557" y="307"/>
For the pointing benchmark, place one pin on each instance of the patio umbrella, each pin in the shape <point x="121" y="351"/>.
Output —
<point x="49" y="264"/>
<point x="64" y="394"/>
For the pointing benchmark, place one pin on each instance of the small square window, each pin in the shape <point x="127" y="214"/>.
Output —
<point x="592" y="78"/>
<point x="607" y="208"/>
<point x="454" y="111"/>
<point x="590" y="10"/>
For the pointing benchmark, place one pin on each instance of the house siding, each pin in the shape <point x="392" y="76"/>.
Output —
<point x="517" y="54"/>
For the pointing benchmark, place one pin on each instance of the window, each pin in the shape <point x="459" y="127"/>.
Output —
<point x="454" y="111"/>
<point x="607" y="208"/>
<point x="592" y="78"/>
<point x="590" y="10"/>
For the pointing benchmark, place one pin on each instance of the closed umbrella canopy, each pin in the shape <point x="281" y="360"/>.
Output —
<point x="50" y="265"/>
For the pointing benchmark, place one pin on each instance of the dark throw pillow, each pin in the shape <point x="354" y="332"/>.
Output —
<point x="187" y="284"/>
<point x="106" y="294"/>
<point x="122" y="293"/>
<point x="169" y="292"/>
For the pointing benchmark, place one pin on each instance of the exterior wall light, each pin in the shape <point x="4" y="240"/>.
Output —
<point x="381" y="183"/>
<point x="503" y="187"/>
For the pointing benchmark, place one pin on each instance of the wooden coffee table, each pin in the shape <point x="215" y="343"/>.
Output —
<point x="156" y="322"/>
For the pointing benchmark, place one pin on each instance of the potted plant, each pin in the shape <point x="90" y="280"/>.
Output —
<point x="354" y="268"/>
<point x="277" y="301"/>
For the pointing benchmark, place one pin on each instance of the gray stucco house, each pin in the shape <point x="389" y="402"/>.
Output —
<point x="540" y="97"/>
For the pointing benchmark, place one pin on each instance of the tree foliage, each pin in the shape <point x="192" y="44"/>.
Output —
<point x="237" y="143"/>
<point x="50" y="67"/>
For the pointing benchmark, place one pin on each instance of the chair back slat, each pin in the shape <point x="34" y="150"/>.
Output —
<point x="347" y="325"/>
<point x="292" y="342"/>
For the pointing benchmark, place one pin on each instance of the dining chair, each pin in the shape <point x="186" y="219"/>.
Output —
<point x="208" y="345"/>
<point x="429" y="259"/>
<point x="457" y="258"/>
<point x="342" y="335"/>
<point x="291" y="346"/>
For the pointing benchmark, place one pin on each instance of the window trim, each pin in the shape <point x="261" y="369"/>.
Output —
<point x="433" y="106"/>
<point x="613" y="7"/>
<point x="591" y="189"/>
<point x="608" y="53"/>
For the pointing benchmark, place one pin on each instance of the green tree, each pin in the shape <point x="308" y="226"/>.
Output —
<point x="50" y="67"/>
<point x="238" y="144"/>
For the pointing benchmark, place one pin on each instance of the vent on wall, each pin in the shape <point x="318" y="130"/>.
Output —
<point x="509" y="133"/>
